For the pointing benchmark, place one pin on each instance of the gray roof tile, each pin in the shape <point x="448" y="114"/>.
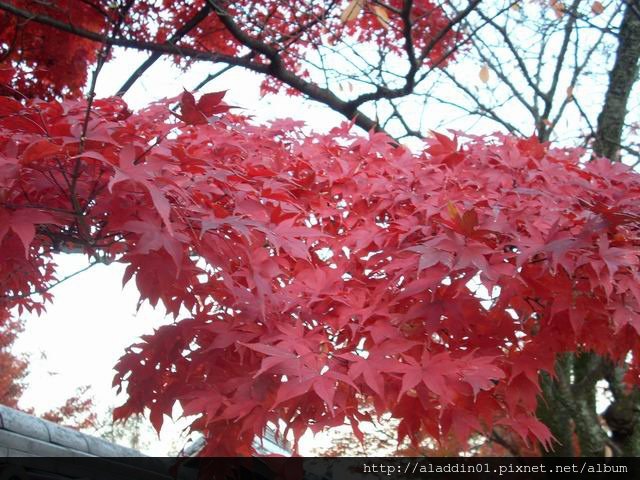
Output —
<point x="67" y="437"/>
<point x="21" y="432"/>
<point x="102" y="448"/>
<point x="24" y="424"/>
<point x="32" y="446"/>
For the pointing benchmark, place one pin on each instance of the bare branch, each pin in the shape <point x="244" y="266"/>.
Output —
<point x="181" y="32"/>
<point x="40" y="291"/>
<point x="543" y="130"/>
<point x="383" y="92"/>
<point x="621" y="79"/>
<point x="276" y="69"/>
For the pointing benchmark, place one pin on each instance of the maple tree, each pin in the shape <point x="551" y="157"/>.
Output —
<point x="316" y="279"/>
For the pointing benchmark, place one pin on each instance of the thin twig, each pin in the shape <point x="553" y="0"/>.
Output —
<point x="49" y="287"/>
<point x="181" y="32"/>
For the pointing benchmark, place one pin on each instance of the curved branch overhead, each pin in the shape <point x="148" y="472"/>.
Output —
<point x="270" y="52"/>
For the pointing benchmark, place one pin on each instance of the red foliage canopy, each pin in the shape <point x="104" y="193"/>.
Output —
<point x="52" y="62"/>
<point x="318" y="278"/>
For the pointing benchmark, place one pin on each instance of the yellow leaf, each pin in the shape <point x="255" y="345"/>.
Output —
<point x="352" y="11"/>
<point x="597" y="8"/>
<point x="453" y="211"/>
<point x="516" y="7"/>
<point x="484" y="74"/>
<point x="558" y="8"/>
<point x="570" y="93"/>
<point x="381" y="15"/>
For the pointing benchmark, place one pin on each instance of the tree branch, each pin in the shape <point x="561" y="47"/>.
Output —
<point x="621" y="79"/>
<point x="414" y="63"/>
<point x="181" y="32"/>
<point x="543" y="130"/>
<point x="165" y="49"/>
<point x="48" y="287"/>
<point x="275" y="69"/>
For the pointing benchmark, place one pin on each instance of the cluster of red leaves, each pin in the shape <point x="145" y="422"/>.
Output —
<point x="77" y="411"/>
<point x="295" y="28"/>
<point x="13" y="369"/>
<point x="318" y="278"/>
<point x="385" y="26"/>
<point x="50" y="63"/>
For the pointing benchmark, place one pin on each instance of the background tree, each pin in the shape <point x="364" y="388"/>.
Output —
<point x="372" y="62"/>
<point x="14" y="369"/>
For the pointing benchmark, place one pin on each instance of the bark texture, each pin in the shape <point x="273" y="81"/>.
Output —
<point x="568" y="402"/>
<point x="621" y="80"/>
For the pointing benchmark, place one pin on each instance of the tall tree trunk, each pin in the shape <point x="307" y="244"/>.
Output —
<point x="621" y="80"/>
<point x="568" y="406"/>
<point x="622" y="416"/>
<point x="568" y="402"/>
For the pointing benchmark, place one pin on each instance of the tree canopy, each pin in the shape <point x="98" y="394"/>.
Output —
<point x="316" y="279"/>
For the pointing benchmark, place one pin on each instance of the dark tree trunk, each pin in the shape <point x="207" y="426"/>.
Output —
<point x="568" y="402"/>
<point x="621" y="80"/>
<point x="622" y="415"/>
